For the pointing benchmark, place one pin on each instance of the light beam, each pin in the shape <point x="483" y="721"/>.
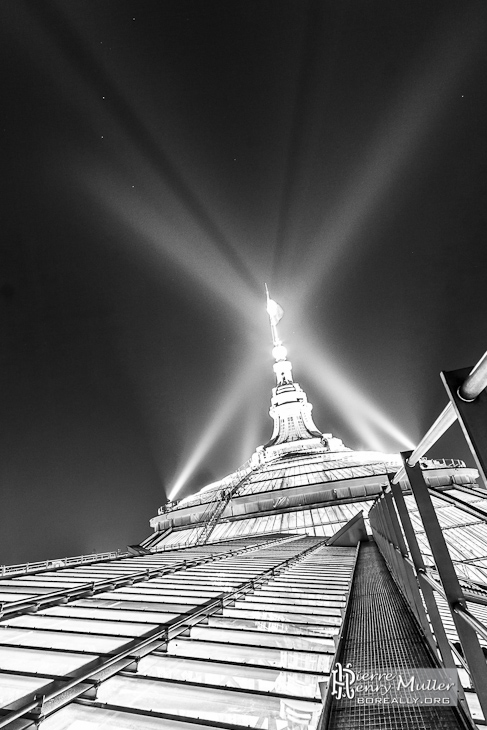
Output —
<point x="349" y="401"/>
<point x="228" y="406"/>
<point x="394" y="154"/>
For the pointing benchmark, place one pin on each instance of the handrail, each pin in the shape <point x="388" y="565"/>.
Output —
<point x="476" y="381"/>
<point x="425" y="580"/>
<point x="473" y="385"/>
<point x="54" y="563"/>
<point x="442" y="424"/>
<point x="428" y="576"/>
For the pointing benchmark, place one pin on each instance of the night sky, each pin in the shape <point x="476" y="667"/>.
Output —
<point x="160" y="161"/>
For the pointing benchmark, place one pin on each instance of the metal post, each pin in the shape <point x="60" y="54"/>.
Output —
<point x="471" y="414"/>
<point x="453" y="591"/>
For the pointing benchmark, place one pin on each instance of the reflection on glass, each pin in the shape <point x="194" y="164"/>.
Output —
<point x="281" y="627"/>
<point x="281" y="616"/>
<point x="260" y="638"/>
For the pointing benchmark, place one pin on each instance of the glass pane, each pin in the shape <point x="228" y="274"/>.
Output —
<point x="44" y="662"/>
<point x="279" y="616"/>
<point x="311" y="590"/>
<point x="296" y="600"/>
<point x="263" y="679"/>
<point x="15" y="687"/>
<point x="187" y="589"/>
<point x="175" y="608"/>
<point x="313" y="610"/>
<point x="77" y="717"/>
<point x="261" y="638"/>
<point x="219" y="705"/>
<point x="114" y="614"/>
<point x="39" y="587"/>
<point x="474" y="706"/>
<point x="89" y="626"/>
<point x="281" y="627"/>
<point x="6" y="596"/>
<point x="147" y="594"/>
<point x="54" y="640"/>
<point x="265" y="657"/>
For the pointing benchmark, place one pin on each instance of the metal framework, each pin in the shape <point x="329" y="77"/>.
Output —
<point x="396" y="538"/>
<point x="288" y="572"/>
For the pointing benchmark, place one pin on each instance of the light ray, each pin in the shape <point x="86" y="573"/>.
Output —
<point x="228" y="406"/>
<point x="348" y="400"/>
<point x="190" y="250"/>
<point x="389" y="159"/>
<point x="140" y="136"/>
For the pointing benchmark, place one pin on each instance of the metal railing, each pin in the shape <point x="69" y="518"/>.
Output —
<point x="395" y="536"/>
<point x="22" y="568"/>
<point x="467" y="391"/>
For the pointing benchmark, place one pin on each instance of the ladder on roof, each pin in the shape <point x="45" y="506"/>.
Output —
<point x="217" y="506"/>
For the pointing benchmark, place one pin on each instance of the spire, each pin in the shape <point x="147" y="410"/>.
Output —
<point x="290" y="409"/>
<point x="282" y="366"/>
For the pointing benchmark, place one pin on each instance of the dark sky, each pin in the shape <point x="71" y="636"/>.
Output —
<point x="160" y="161"/>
